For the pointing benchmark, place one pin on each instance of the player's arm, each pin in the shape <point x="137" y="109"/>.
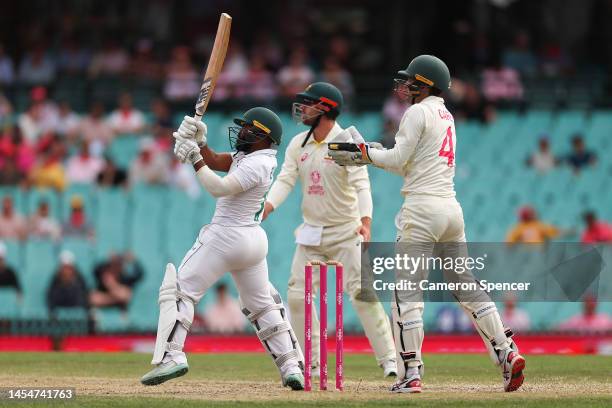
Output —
<point x="359" y="153"/>
<point x="196" y="130"/>
<point x="359" y="180"/>
<point x="408" y="135"/>
<point x="216" y="161"/>
<point x="285" y="181"/>
<point x="216" y="185"/>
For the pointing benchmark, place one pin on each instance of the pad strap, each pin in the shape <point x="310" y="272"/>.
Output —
<point x="285" y="357"/>
<point x="271" y="331"/>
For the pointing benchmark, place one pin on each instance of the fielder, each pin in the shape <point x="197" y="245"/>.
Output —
<point x="233" y="241"/>
<point x="424" y="153"/>
<point x="337" y="211"/>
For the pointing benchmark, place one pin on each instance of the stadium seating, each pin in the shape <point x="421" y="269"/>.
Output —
<point x="159" y="224"/>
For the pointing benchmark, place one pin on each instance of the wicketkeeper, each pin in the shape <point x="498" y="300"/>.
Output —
<point x="337" y="211"/>
<point x="424" y="154"/>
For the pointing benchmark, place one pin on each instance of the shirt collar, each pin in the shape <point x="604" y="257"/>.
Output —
<point x="334" y="131"/>
<point x="434" y="99"/>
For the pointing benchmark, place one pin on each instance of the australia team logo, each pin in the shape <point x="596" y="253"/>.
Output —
<point x="315" y="187"/>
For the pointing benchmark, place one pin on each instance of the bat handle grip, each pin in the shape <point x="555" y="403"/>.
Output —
<point x="197" y="116"/>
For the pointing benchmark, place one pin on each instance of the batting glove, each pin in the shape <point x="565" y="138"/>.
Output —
<point x="187" y="151"/>
<point x="191" y="128"/>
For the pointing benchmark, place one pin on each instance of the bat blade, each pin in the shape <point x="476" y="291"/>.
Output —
<point x="215" y="64"/>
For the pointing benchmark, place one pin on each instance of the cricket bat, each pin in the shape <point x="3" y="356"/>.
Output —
<point x="215" y="64"/>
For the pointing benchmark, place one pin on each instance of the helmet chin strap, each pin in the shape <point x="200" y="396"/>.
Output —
<point x="415" y="91"/>
<point x="312" y="129"/>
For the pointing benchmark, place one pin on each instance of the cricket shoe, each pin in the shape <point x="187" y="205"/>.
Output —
<point x="513" y="365"/>
<point x="408" y="385"/>
<point x="389" y="368"/>
<point x="164" y="372"/>
<point x="294" y="381"/>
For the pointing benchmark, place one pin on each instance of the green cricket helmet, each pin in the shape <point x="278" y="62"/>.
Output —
<point x="255" y="124"/>
<point x="424" y="70"/>
<point x="318" y="99"/>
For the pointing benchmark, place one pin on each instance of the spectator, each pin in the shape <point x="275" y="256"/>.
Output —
<point x="296" y="76"/>
<point x="67" y="288"/>
<point x="126" y="118"/>
<point x="514" y="317"/>
<point x="542" y="160"/>
<point x="17" y="156"/>
<point x="49" y="172"/>
<point x="589" y="320"/>
<point x="41" y="117"/>
<point x="150" y="166"/>
<point x="336" y="75"/>
<point x="182" y="80"/>
<point x="270" y="49"/>
<point x="8" y="277"/>
<point x="12" y="224"/>
<point x="77" y="224"/>
<point x="182" y="177"/>
<point x="501" y="83"/>
<point x="143" y="65"/>
<point x="37" y="68"/>
<point x="393" y="112"/>
<point x="162" y="127"/>
<point x="73" y="58"/>
<point x="111" y="175"/>
<point x="6" y="109"/>
<point x="10" y="175"/>
<point x="259" y="82"/>
<point x="225" y="315"/>
<point x="115" y="280"/>
<point x="7" y="74"/>
<point x="111" y="60"/>
<point x="83" y="168"/>
<point x="520" y="57"/>
<point x="42" y="225"/>
<point x="580" y="158"/>
<point x="96" y="130"/>
<point x="596" y="231"/>
<point x="530" y="230"/>
<point x="68" y="122"/>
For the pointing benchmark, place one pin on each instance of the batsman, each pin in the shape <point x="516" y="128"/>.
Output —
<point x="337" y="212"/>
<point x="430" y="218"/>
<point x="233" y="242"/>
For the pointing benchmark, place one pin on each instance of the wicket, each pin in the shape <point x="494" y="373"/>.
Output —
<point x="323" y="324"/>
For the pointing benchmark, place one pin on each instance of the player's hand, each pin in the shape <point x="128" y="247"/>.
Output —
<point x="191" y="128"/>
<point x="351" y="154"/>
<point x="268" y="208"/>
<point x="365" y="231"/>
<point x="187" y="151"/>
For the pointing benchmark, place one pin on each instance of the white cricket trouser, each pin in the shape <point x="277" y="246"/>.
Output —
<point x="339" y="243"/>
<point x="242" y="252"/>
<point x="423" y="221"/>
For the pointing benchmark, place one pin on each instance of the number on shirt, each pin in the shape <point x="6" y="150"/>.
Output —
<point x="448" y="149"/>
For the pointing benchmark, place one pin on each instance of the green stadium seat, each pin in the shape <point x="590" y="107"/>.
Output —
<point x="40" y="265"/>
<point x="111" y="219"/>
<point x="111" y="320"/>
<point x="124" y="149"/>
<point x="9" y="299"/>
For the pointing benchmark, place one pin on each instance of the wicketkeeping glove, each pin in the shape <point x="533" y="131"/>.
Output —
<point x="352" y="153"/>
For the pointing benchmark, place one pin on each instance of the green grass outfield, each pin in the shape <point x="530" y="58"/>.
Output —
<point x="112" y="379"/>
